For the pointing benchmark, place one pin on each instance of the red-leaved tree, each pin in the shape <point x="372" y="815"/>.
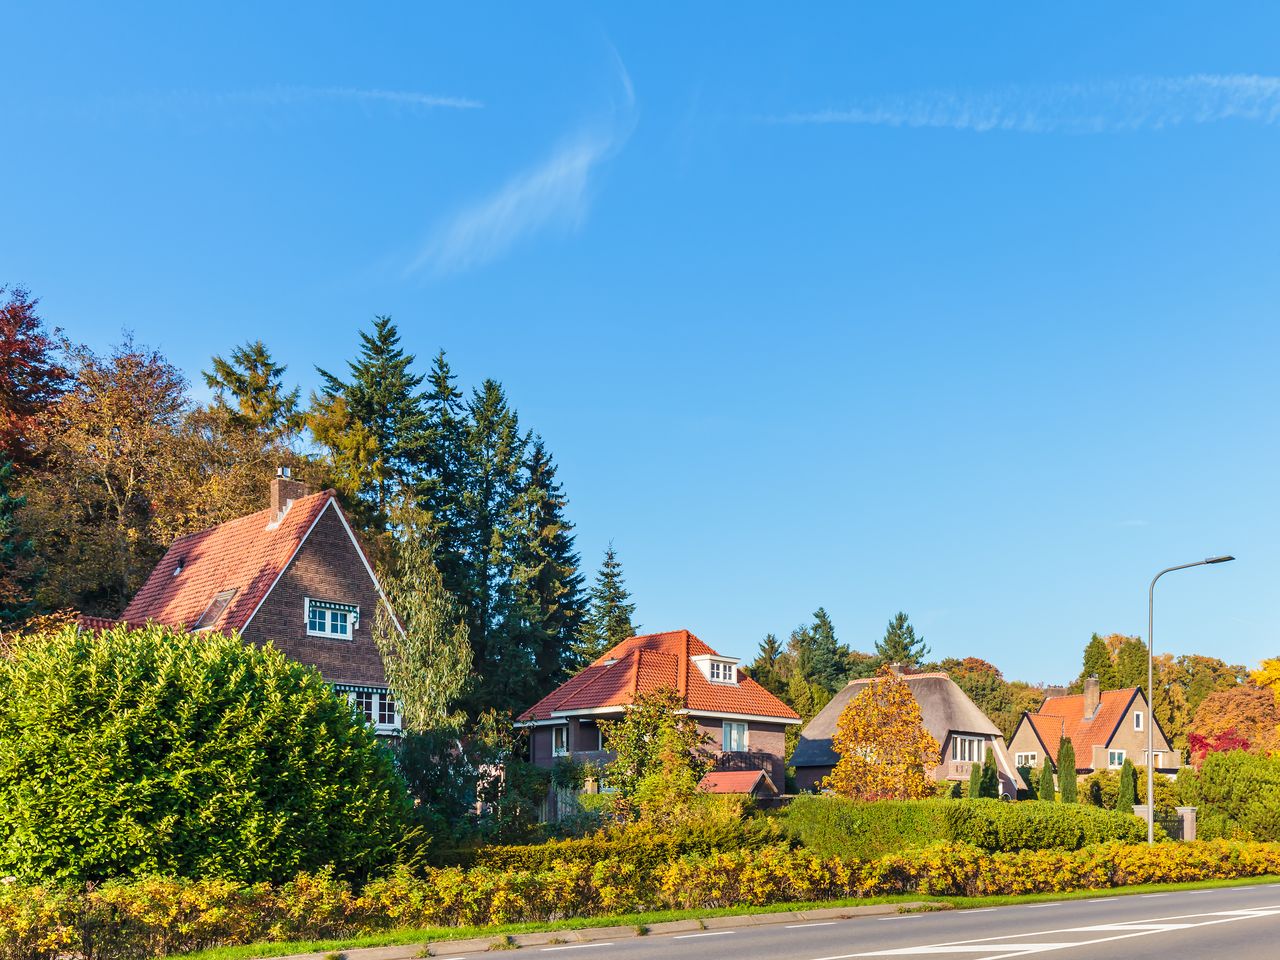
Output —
<point x="31" y="376"/>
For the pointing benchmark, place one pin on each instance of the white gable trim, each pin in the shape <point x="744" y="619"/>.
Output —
<point x="355" y="545"/>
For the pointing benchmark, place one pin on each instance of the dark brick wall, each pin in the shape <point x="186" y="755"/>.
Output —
<point x="328" y="567"/>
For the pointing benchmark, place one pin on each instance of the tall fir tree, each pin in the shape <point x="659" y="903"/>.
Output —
<point x="249" y="389"/>
<point x="18" y="568"/>
<point x="900" y="643"/>
<point x="381" y="400"/>
<point x="766" y="668"/>
<point x="1067" y="770"/>
<point x="1097" y="662"/>
<point x="817" y="655"/>
<point x="440" y="494"/>
<point x="609" y="615"/>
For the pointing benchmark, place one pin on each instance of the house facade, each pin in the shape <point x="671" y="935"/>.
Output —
<point x="744" y="724"/>
<point x="962" y="730"/>
<point x="293" y="575"/>
<point x="1106" y="728"/>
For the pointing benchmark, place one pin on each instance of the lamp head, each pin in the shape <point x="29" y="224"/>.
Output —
<point x="1223" y="559"/>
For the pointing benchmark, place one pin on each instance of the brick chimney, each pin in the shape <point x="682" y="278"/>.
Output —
<point x="284" y="490"/>
<point x="1092" y="696"/>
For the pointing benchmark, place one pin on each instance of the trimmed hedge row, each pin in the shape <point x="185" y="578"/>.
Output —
<point x="158" y="917"/>
<point x="834" y="826"/>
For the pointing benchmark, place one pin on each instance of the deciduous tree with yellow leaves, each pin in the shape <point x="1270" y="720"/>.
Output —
<point x="885" y="751"/>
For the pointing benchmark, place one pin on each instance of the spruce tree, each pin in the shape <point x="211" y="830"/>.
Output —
<point x="1067" y="770"/>
<point x="381" y="397"/>
<point x="440" y="492"/>
<point x="765" y="669"/>
<point x="17" y="555"/>
<point x="1046" y="791"/>
<point x="1128" y="794"/>
<point x="818" y="656"/>
<point x="249" y="389"/>
<point x="975" y="781"/>
<point x="608" y="619"/>
<point x="1097" y="662"/>
<point x="990" y="784"/>
<point x="900" y="643"/>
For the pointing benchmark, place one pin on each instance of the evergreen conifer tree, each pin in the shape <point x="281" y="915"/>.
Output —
<point x="900" y="643"/>
<point x="440" y="493"/>
<point x="990" y="777"/>
<point x="817" y="655"/>
<point x="1046" y="791"/>
<point x="1097" y="662"/>
<point x="975" y="781"/>
<point x="249" y="389"/>
<point x="17" y="555"/>
<point x="1067" y="770"/>
<point x="1131" y="664"/>
<point x="608" y="618"/>
<point x="1128" y="794"/>
<point x="766" y="668"/>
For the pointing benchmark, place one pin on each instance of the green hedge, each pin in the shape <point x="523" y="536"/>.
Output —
<point x="834" y="826"/>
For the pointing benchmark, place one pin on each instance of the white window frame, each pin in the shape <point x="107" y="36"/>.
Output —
<point x="376" y="700"/>
<point x="331" y="609"/>
<point x="560" y="732"/>
<point x="979" y="745"/>
<point x="734" y="736"/>
<point x="1111" y="761"/>
<point x="1026" y="759"/>
<point x="1137" y="720"/>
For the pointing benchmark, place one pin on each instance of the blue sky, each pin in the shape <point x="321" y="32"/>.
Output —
<point x="967" y="311"/>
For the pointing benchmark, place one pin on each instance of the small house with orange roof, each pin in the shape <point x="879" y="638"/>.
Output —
<point x="744" y="723"/>
<point x="1106" y="727"/>
<point x="294" y="575"/>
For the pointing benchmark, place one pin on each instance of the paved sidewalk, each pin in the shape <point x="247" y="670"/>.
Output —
<point x="451" y="948"/>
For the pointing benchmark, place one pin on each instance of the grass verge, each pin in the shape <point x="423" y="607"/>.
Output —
<point x="641" y="920"/>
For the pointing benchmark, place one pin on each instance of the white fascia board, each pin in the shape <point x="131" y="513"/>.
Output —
<point x="717" y="714"/>
<point x="586" y="712"/>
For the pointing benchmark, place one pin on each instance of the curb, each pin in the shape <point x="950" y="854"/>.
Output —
<point x="453" y="948"/>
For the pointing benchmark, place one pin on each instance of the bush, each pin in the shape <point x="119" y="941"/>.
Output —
<point x="1237" y="795"/>
<point x="136" y="752"/>
<point x="833" y="826"/>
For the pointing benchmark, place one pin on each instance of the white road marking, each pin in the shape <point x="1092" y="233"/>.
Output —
<point x="821" y="923"/>
<point x="1037" y="906"/>
<point x="905" y="916"/>
<point x="713" y="933"/>
<point x="1104" y="900"/>
<point x="983" y="910"/>
<point x="576" y="946"/>
<point x="1148" y="896"/>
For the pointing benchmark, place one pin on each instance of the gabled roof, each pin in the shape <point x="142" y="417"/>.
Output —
<point x="944" y="708"/>
<point x="649" y="663"/>
<point x="1064" y="716"/>
<point x="736" y="781"/>
<point x="244" y="557"/>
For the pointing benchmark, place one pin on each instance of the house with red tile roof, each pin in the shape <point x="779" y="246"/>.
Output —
<point x="294" y="575"/>
<point x="1106" y="727"/>
<point x="744" y="723"/>
<point x="963" y="731"/>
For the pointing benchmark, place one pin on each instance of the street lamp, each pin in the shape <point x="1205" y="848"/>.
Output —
<point x="1151" y="693"/>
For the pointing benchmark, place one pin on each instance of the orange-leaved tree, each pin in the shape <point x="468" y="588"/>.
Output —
<point x="885" y="751"/>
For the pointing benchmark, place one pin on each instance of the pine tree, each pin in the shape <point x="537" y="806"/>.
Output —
<point x="381" y="397"/>
<point x="1046" y="782"/>
<point x="765" y="669"/>
<point x="1128" y="794"/>
<point x="816" y="653"/>
<point x="900" y="643"/>
<point x="990" y="777"/>
<point x="1097" y="662"/>
<point x="546" y="569"/>
<point x="1067" y="770"/>
<point x="249" y="389"/>
<point x="607" y="621"/>
<point x="18" y="573"/>
<point x="975" y="781"/>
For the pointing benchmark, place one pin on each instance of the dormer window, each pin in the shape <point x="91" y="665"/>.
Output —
<point x="326" y="618"/>
<point x="717" y="669"/>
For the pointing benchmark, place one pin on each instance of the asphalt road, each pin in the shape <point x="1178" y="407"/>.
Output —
<point x="1240" y="923"/>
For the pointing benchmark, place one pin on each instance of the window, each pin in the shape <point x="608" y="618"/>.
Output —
<point x="387" y="710"/>
<point x="1115" y="758"/>
<point x="363" y="699"/>
<point x="1159" y="758"/>
<point x="589" y="737"/>
<point x="734" y="737"/>
<point x="214" y="610"/>
<point x="722" y="672"/>
<point x="1026" y="759"/>
<point x="559" y="741"/>
<point x="1137" y="719"/>
<point x="328" y="619"/>
<point x="968" y="749"/>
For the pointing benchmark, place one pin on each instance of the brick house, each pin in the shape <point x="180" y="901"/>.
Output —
<point x="962" y="730"/>
<point x="1106" y="728"/>
<point x="744" y="723"/>
<point x="293" y="575"/>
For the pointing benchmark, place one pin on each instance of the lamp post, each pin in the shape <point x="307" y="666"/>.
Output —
<point x="1151" y="693"/>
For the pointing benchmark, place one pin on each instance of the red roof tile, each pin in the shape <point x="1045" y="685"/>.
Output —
<point x="1064" y="716"/>
<point x="735" y="781"/>
<point x="651" y="662"/>
<point x="245" y="555"/>
<point x="95" y="623"/>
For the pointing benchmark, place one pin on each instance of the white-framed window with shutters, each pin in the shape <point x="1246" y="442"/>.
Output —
<point x="734" y="737"/>
<point x="968" y="749"/>
<point x="375" y="705"/>
<point x="328" y="618"/>
<point x="1026" y="759"/>
<point x="1137" y="719"/>
<point x="1115" y="758"/>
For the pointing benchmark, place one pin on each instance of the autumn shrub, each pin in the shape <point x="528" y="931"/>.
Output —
<point x="1237" y="796"/>
<point x="128" y="753"/>
<point x="835" y="826"/>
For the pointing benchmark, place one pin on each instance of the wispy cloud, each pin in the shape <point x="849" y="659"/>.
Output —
<point x="554" y="194"/>
<point x="1135" y="103"/>
<point x="409" y="98"/>
<point x="184" y="101"/>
